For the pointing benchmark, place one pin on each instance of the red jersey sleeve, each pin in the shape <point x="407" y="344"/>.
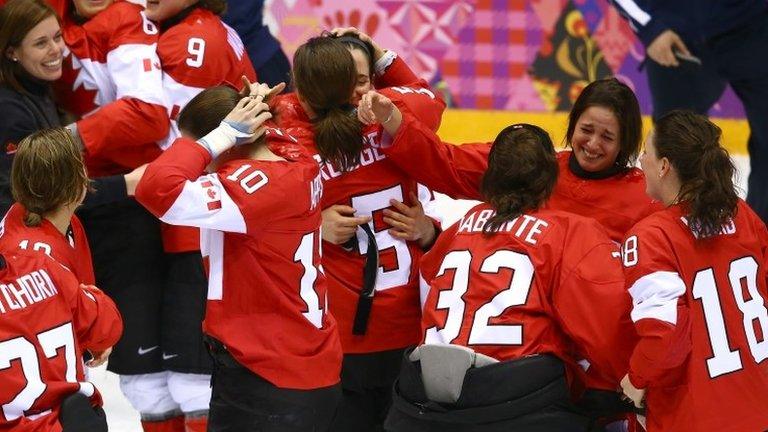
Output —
<point x="419" y="102"/>
<point x="98" y="324"/>
<point x="591" y="280"/>
<point x="398" y="73"/>
<point x="659" y="311"/>
<point x="137" y="116"/>
<point x="455" y="170"/>
<point x="244" y="194"/>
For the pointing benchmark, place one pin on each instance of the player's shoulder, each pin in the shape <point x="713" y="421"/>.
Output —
<point x="199" y="23"/>
<point x="288" y="111"/>
<point x="18" y="262"/>
<point x="571" y="223"/>
<point x="118" y="20"/>
<point x="665" y="222"/>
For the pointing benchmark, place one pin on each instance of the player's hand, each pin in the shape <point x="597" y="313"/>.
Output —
<point x="132" y="179"/>
<point x="340" y="224"/>
<point x="662" y="49"/>
<point x="341" y="31"/>
<point x="248" y="117"/>
<point x="376" y="108"/>
<point x="410" y="223"/>
<point x="254" y="89"/>
<point x="634" y="394"/>
<point x="99" y="357"/>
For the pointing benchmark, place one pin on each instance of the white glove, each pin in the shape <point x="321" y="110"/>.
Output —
<point x="224" y="137"/>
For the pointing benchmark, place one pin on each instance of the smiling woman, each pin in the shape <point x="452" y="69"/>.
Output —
<point x="31" y="49"/>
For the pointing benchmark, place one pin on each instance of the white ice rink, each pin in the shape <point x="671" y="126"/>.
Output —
<point x="122" y="417"/>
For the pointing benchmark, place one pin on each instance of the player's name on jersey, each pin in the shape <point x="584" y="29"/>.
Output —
<point x="27" y="290"/>
<point x="316" y="192"/>
<point x="369" y="155"/>
<point x="526" y="227"/>
<point x="729" y="228"/>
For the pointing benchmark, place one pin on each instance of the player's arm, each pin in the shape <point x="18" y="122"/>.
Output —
<point x="138" y="115"/>
<point x="453" y="170"/>
<point x="391" y="70"/>
<point x="660" y="316"/>
<point x="174" y="188"/>
<point x="643" y="22"/>
<point x="97" y="322"/>
<point x="591" y="280"/>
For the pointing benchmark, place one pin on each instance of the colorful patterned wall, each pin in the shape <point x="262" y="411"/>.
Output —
<point x="522" y="55"/>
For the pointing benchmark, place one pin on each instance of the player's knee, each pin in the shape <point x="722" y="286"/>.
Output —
<point x="148" y="393"/>
<point x="192" y="392"/>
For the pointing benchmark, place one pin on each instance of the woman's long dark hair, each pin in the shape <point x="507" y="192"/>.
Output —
<point x="324" y="75"/>
<point x="521" y="175"/>
<point x="691" y="143"/>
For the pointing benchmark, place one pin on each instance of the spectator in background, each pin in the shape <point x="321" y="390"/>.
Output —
<point x="31" y="51"/>
<point x="694" y="49"/>
<point x="269" y="60"/>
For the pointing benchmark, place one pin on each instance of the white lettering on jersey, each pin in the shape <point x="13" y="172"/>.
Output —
<point x="368" y="156"/>
<point x="528" y="227"/>
<point x="29" y="289"/>
<point x="234" y="41"/>
<point x="315" y="192"/>
<point x="729" y="228"/>
<point x="416" y="90"/>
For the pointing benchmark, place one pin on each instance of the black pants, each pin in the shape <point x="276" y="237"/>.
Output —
<point x="129" y="263"/>
<point x="183" y="310"/>
<point x="244" y="402"/>
<point x="526" y="395"/>
<point x="366" y="381"/>
<point x="736" y="58"/>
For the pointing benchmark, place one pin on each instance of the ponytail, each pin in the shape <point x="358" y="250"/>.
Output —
<point x="711" y="196"/>
<point x="33" y="218"/>
<point x="338" y="136"/>
<point x="324" y="74"/>
<point x="692" y="144"/>
<point x="521" y="175"/>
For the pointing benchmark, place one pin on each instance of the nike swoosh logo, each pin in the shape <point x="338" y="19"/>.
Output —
<point x="169" y="356"/>
<point x="143" y="351"/>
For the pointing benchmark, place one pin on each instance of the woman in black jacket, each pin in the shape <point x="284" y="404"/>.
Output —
<point x="31" y="52"/>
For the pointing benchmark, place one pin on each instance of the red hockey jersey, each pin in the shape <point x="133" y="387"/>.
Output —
<point x="71" y="251"/>
<point x="699" y="308"/>
<point x="533" y="287"/>
<point x="197" y="53"/>
<point x="112" y="78"/>
<point x="617" y="202"/>
<point x="394" y="318"/>
<point x="260" y="225"/>
<point x="47" y="320"/>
